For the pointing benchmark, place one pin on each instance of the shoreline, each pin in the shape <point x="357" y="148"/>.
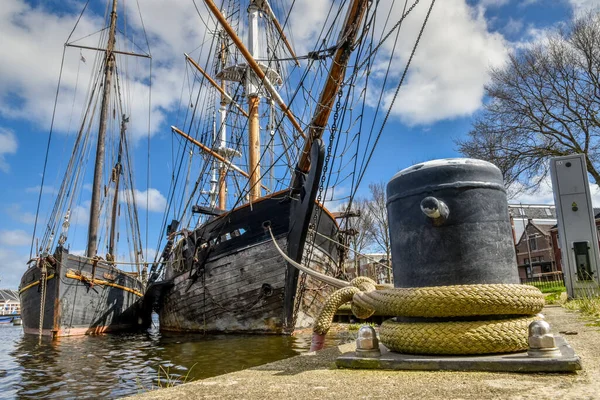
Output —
<point x="314" y="375"/>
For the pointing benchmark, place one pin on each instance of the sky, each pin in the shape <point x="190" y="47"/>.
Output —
<point x="443" y="91"/>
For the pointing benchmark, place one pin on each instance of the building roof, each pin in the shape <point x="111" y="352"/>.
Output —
<point x="9" y="295"/>
<point x="543" y="229"/>
<point x="532" y="211"/>
<point x="538" y="211"/>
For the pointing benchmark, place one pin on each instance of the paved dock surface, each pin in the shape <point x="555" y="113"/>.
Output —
<point x="314" y="376"/>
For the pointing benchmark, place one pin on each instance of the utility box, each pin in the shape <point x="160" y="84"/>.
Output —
<point x="578" y="238"/>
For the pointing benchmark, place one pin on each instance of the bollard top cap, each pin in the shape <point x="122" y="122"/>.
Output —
<point x="444" y="162"/>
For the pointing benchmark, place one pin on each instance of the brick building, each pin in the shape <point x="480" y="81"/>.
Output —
<point x="535" y="252"/>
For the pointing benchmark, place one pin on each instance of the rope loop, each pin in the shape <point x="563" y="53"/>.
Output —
<point x="514" y="307"/>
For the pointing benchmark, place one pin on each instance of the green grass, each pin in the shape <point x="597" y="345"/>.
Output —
<point x="552" y="298"/>
<point x="165" y="379"/>
<point x="549" y="287"/>
<point x="588" y="306"/>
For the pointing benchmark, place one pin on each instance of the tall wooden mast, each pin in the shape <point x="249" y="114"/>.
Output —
<point x="252" y="91"/>
<point x="337" y="71"/>
<point x="109" y="65"/>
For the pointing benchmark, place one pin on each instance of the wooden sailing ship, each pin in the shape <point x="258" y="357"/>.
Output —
<point x="65" y="294"/>
<point x="253" y="131"/>
<point x="223" y="273"/>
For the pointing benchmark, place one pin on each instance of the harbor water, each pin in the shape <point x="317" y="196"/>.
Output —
<point x="118" y="365"/>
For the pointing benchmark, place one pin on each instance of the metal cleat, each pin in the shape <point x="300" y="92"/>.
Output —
<point x="541" y="341"/>
<point x="367" y="344"/>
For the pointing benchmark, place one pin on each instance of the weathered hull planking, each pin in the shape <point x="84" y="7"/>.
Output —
<point x="80" y="298"/>
<point x="238" y="283"/>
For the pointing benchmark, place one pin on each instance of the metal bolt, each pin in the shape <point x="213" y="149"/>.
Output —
<point x="541" y="341"/>
<point x="367" y="344"/>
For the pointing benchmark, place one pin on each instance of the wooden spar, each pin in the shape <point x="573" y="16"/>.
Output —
<point x="266" y="7"/>
<point x="215" y="84"/>
<point x="115" y="205"/>
<point x="222" y="187"/>
<point x="354" y="17"/>
<point x="211" y="152"/>
<point x="254" y="65"/>
<point x="127" y="53"/>
<point x="92" y="244"/>
<point x="254" y="148"/>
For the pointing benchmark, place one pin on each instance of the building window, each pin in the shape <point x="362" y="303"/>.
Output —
<point x="526" y="261"/>
<point x="548" y="212"/>
<point x="532" y="244"/>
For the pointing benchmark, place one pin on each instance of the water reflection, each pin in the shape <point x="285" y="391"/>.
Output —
<point x="112" y="366"/>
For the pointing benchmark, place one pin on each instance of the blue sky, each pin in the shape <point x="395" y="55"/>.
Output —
<point x="443" y="91"/>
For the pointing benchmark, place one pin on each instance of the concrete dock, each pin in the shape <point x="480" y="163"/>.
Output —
<point x="314" y="376"/>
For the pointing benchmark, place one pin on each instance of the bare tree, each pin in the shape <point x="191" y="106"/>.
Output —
<point x="380" y="231"/>
<point x="358" y="230"/>
<point x="544" y="103"/>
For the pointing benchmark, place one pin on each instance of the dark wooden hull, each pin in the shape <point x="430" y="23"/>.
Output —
<point x="240" y="283"/>
<point x="80" y="299"/>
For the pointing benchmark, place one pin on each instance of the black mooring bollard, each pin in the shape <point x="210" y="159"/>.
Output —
<point x="449" y="225"/>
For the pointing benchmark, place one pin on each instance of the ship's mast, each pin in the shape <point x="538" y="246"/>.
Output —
<point x="223" y="129"/>
<point x="354" y="17"/>
<point x="109" y="64"/>
<point x="117" y="178"/>
<point x="252" y="91"/>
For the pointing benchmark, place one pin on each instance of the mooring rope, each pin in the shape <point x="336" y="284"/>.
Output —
<point x="458" y="319"/>
<point x="449" y="319"/>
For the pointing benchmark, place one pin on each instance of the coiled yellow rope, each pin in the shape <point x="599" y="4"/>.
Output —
<point x="515" y="306"/>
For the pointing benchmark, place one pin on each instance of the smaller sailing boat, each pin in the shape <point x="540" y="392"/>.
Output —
<point x="64" y="294"/>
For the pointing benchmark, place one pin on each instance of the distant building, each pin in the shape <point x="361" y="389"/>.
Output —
<point x="537" y="247"/>
<point x="372" y="265"/>
<point x="535" y="253"/>
<point x="539" y="214"/>
<point x="9" y="302"/>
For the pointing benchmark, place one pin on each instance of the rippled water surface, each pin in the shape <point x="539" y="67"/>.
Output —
<point x="117" y="365"/>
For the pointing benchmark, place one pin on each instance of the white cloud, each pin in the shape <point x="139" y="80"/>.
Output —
<point x="526" y="3"/>
<point x="494" y="3"/>
<point x="8" y="145"/>
<point x="17" y="214"/>
<point x="450" y="68"/>
<point x="580" y="6"/>
<point x="16" y="237"/>
<point x="513" y="26"/>
<point x="150" y="199"/>
<point x="80" y="214"/>
<point x="33" y="38"/>
<point x="47" y="190"/>
<point x="12" y="266"/>
<point x="544" y="194"/>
